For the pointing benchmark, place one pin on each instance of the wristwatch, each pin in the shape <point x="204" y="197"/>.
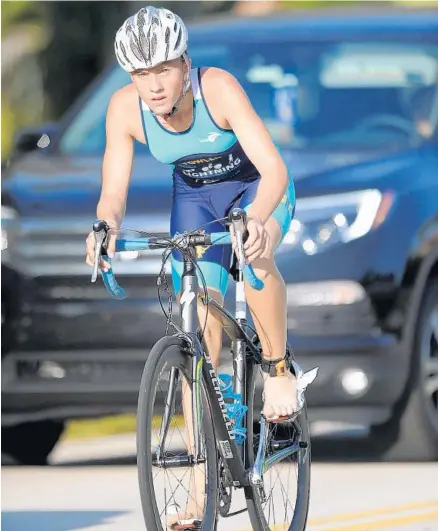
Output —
<point x="279" y="366"/>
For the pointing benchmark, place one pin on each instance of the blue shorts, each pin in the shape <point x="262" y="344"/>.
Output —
<point x="196" y="205"/>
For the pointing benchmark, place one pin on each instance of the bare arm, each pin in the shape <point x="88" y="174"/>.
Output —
<point x="116" y="174"/>
<point x="257" y="144"/>
<point x="117" y="164"/>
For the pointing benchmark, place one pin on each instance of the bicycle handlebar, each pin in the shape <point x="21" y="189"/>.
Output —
<point x="184" y="241"/>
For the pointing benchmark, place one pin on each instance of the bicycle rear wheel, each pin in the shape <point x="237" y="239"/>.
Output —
<point x="283" y="502"/>
<point x="164" y="462"/>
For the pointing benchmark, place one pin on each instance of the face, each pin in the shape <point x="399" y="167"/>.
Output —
<point x="161" y="86"/>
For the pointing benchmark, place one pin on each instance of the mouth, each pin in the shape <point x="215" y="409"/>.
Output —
<point x="159" y="99"/>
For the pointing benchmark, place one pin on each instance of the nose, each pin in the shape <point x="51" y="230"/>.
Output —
<point x="155" y="84"/>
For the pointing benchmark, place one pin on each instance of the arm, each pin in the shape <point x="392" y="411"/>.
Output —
<point x="257" y="144"/>
<point x="116" y="167"/>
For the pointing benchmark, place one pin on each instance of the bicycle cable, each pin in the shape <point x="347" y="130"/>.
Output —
<point x="162" y="279"/>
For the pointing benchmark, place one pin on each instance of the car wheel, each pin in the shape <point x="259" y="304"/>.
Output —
<point x="6" y="329"/>
<point x="413" y="434"/>
<point x="30" y="443"/>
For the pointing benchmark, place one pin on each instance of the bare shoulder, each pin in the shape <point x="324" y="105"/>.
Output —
<point x="123" y="100"/>
<point x="217" y="78"/>
<point x="124" y="112"/>
<point x="221" y="92"/>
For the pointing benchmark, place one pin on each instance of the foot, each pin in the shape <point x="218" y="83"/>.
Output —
<point x="190" y="515"/>
<point x="183" y="520"/>
<point x="280" y="396"/>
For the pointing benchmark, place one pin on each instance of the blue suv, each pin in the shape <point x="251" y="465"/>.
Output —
<point x="352" y="103"/>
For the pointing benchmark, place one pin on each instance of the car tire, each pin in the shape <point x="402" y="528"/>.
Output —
<point x="31" y="443"/>
<point x="5" y="324"/>
<point x="412" y="433"/>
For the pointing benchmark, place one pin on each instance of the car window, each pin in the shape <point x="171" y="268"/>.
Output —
<point x="309" y="93"/>
<point x="86" y="133"/>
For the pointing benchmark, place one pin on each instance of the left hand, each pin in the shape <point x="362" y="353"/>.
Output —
<point x="258" y="240"/>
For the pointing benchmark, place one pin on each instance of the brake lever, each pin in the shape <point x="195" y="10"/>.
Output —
<point x="238" y="218"/>
<point x="100" y="229"/>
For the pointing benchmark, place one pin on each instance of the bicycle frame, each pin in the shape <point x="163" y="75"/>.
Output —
<point x="232" y="454"/>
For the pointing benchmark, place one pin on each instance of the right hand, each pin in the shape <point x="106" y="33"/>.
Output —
<point x="111" y="249"/>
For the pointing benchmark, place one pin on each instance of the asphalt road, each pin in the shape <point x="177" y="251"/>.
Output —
<point x="92" y="486"/>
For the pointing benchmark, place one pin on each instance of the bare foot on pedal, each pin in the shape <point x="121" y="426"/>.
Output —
<point x="183" y="520"/>
<point x="280" y="396"/>
<point x="190" y="515"/>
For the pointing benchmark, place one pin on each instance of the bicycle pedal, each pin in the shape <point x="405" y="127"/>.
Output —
<point x="279" y="420"/>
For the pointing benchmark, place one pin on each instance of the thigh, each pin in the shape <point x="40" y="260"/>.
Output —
<point x="190" y="213"/>
<point x="279" y="223"/>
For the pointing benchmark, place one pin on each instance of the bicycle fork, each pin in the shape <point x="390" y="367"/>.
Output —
<point x="188" y="325"/>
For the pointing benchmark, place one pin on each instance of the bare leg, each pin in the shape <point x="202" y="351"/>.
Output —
<point x="213" y="337"/>
<point x="269" y="311"/>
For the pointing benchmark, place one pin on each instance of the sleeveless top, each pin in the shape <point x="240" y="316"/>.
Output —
<point x="204" y="150"/>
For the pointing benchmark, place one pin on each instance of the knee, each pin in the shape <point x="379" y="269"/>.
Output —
<point x="264" y="267"/>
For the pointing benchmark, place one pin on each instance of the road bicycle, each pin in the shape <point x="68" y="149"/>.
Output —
<point x="193" y="422"/>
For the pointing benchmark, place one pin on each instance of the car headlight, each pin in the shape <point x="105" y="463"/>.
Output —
<point x="324" y="221"/>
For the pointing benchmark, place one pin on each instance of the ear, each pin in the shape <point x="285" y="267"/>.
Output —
<point x="187" y="62"/>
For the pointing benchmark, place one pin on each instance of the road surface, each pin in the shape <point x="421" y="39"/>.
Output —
<point x="92" y="486"/>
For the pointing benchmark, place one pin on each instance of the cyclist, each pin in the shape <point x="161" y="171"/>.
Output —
<point x="200" y="121"/>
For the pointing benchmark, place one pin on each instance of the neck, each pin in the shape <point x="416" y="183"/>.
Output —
<point x="184" y="112"/>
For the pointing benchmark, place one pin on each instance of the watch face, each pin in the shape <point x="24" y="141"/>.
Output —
<point x="280" y="368"/>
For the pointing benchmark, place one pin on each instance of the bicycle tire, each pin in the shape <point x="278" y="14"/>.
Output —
<point x="255" y="509"/>
<point x="168" y="351"/>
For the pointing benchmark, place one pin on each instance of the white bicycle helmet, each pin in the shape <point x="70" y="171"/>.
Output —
<point x="150" y="37"/>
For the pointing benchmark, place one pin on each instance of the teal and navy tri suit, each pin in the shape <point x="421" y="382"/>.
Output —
<point x="211" y="175"/>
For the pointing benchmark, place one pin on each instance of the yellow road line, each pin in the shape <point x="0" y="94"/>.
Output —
<point x="390" y="522"/>
<point x="373" y="512"/>
<point x="374" y="524"/>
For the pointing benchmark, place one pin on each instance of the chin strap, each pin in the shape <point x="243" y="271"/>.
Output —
<point x="185" y="89"/>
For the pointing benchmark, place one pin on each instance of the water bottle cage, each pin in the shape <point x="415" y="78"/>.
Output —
<point x="235" y="409"/>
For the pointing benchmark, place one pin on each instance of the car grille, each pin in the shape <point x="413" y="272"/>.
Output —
<point x="80" y="288"/>
<point x="48" y="248"/>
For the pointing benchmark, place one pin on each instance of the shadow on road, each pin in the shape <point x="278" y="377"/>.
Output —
<point x="55" y="520"/>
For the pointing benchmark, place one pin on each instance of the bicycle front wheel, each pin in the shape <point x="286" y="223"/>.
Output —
<point x="281" y="502"/>
<point x="173" y="488"/>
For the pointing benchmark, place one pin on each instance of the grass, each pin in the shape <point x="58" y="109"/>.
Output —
<point x="91" y="428"/>
<point x="114" y="425"/>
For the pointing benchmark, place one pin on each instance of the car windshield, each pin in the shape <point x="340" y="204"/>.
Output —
<point x="310" y="94"/>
